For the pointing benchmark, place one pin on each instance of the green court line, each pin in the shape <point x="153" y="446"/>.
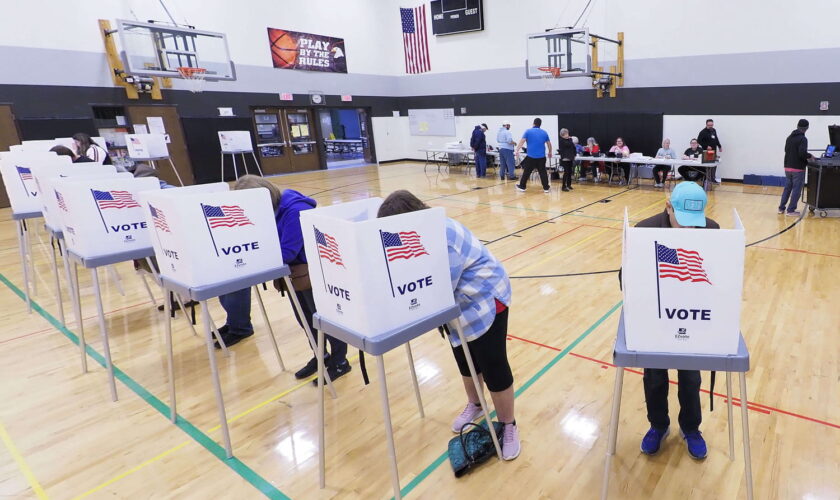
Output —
<point x="441" y="459"/>
<point x="201" y="438"/>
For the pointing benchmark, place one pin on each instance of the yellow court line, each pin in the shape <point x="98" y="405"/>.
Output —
<point x="179" y="446"/>
<point x="27" y="472"/>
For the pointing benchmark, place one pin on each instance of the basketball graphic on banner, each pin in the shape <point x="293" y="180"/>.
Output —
<point x="284" y="48"/>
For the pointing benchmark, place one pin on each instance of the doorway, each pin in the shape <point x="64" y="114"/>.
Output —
<point x="286" y="140"/>
<point x="346" y="137"/>
<point x="8" y="137"/>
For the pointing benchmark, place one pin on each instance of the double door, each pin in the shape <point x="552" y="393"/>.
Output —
<point x="286" y="140"/>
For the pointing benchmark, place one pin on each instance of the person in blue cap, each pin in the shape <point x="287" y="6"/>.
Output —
<point x="685" y="209"/>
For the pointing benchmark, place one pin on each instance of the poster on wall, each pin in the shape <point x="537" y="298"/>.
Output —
<point x="305" y="51"/>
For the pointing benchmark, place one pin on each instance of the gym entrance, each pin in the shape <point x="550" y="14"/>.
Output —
<point x="345" y="132"/>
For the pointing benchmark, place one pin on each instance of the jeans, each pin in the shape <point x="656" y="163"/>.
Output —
<point x="656" y="397"/>
<point x="237" y="305"/>
<point x="793" y="188"/>
<point x="528" y="166"/>
<point x="480" y="162"/>
<point x="506" y="163"/>
<point x="338" y="349"/>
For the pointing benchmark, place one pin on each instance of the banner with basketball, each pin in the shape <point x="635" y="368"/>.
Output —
<point x="205" y="235"/>
<point x="305" y="51"/>
<point x="373" y="275"/>
<point x="682" y="288"/>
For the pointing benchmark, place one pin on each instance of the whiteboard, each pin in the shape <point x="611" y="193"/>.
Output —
<point x="431" y="122"/>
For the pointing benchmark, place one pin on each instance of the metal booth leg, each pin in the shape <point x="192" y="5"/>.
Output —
<point x="28" y="243"/>
<point x="322" y="374"/>
<point x="112" y="271"/>
<point x="148" y="290"/>
<point x="73" y="279"/>
<point x="24" y="264"/>
<point x="170" y="356"/>
<point x="222" y="175"/>
<point x="309" y="334"/>
<point x="270" y="330"/>
<point x="244" y="164"/>
<point x="58" y="300"/>
<point x="176" y="171"/>
<point x="613" y="436"/>
<point x="480" y="391"/>
<point x="389" y="431"/>
<point x="217" y="385"/>
<point x="103" y="330"/>
<point x="729" y="416"/>
<point x="745" y="424"/>
<point x="414" y="379"/>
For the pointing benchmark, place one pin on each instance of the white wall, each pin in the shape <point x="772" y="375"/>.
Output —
<point x="751" y="144"/>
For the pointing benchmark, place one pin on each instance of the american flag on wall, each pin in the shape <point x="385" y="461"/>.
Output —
<point x="415" y="39"/>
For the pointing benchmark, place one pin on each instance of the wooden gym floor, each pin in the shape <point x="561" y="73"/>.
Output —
<point x="63" y="438"/>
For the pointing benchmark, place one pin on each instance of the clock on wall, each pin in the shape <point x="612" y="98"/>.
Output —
<point x="317" y="98"/>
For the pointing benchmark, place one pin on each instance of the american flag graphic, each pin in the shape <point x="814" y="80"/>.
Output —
<point x="402" y="245"/>
<point x="415" y="40"/>
<point x="60" y="199"/>
<point x="114" y="199"/>
<point x="135" y="140"/>
<point x="159" y="219"/>
<point x="24" y="173"/>
<point x="328" y="247"/>
<point x="681" y="264"/>
<point x="226" y="216"/>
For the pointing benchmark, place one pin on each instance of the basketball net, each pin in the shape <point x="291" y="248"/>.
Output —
<point x="193" y="78"/>
<point x="549" y="74"/>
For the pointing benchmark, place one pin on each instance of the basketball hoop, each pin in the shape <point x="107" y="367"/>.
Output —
<point x="549" y="73"/>
<point x="193" y="78"/>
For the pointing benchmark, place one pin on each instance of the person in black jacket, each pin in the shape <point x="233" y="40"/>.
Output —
<point x="567" y="151"/>
<point x="478" y="143"/>
<point x="796" y="159"/>
<point x="708" y="139"/>
<point x="65" y="151"/>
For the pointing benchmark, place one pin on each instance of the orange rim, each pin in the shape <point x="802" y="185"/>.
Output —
<point x="192" y="72"/>
<point x="555" y="72"/>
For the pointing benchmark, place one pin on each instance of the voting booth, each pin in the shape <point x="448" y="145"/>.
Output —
<point x="373" y="275"/>
<point x="16" y="168"/>
<point x="682" y="288"/>
<point x="237" y="142"/>
<point x="45" y="173"/>
<point x="151" y="148"/>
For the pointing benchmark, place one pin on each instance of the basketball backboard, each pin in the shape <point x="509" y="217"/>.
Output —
<point x="566" y="49"/>
<point x="156" y="49"/>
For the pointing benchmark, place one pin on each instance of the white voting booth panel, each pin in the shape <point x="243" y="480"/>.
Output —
<point x="44" y="145"/>
<point x="682" y="289"/>
<point x="53" y="218"/>
<point x="16" y="148"/>
<point x="44" y="173"/>
<point x="103" y="216"/>
<point x="373" y="275"/>
<point x="204" y="235"/>
<point x="19" y="180"/>
<point x="235" y="141"/>
<point x="146" y="146"/>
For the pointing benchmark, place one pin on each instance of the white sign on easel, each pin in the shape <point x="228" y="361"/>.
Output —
<point x="146" y="146"/>
<point x="235" y="141"/>
<point x="682" y="288"/>
<point x="374" y="275"/>
<point x="44" y="175"/>
<point x="102" y="216"/>
<point x="19" y="181"/>
<point x="204" y="235"/>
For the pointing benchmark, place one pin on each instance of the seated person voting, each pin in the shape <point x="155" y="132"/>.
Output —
<point x="482" y="292"/>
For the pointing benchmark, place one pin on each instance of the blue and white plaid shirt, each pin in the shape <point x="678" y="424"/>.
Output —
<point x="478" y="279"/>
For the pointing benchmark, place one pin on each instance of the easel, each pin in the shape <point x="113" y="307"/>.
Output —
<point x="232" y="155"/>
<point x="377" y="347"/>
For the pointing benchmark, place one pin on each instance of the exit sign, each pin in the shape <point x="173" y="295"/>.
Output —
<point x="346" y="98"/>
<point x="287" y="96"/>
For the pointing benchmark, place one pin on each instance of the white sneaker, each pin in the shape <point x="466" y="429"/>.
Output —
<point x="510" y="442"/>
<point x="470" y="413"/>
<point x="519" y="188"/>
<point x="547" y="191"/>
<point x="582" y="179"/>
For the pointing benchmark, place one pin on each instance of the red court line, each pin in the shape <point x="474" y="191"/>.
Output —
<point x="543" y="243"/>
<point x="761" y="408"/>
<point x="796" y="250"/>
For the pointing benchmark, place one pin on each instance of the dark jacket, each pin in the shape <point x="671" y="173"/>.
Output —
<point x="287" y="217"/>
<point x="708" y="138"/>
<point x="567" y="149"/>
<point x="478" y="141"/>
<point x="693" y="152"/>
<point x="796" y="150"/>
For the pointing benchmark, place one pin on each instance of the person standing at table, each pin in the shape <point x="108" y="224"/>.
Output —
<point x="708" y="140"/>
<point x="482" y="292"/>
<point x="660" y="172"/>
<point x="796" y="160"/>
<point x="685" y="209"/>
<point x="505" y="144"/>
<point x="620" y="150"/>
<point x="567" y="152"/>
<point x="478" y="143"/>
<point x="687" y="172"/>
<point x="537" y="141"/>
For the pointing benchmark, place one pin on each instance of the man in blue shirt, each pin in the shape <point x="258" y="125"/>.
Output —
<point x="505" y="143"/>
<point x="479" y="144"/>
<point x="537" y="140"/>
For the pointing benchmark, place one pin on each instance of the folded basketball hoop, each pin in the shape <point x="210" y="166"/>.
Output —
<point x="193" y="78"/>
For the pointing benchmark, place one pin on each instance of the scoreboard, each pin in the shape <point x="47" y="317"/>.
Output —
<point x="456" y="16"/>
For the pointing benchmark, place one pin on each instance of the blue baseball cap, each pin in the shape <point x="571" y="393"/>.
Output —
<point x="689" y="202"/>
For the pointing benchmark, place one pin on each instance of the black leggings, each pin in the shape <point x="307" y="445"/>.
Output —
<point x="489" y="355"/>
<point x="623" y="166"/>
<point x="338" y="349"/>
<point x="663" y="170"/>
<point x="568" y="168"/>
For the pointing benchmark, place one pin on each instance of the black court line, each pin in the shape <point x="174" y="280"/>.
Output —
<point x="563" y="275"/>
<point x="797" y="221"/>
<point x="516" y="233"/>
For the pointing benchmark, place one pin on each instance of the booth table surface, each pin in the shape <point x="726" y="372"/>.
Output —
<point x="25" y="215"/>
<point x="391" y="339"/>
<point x="708" y="362"/>
<point x="114" y="258"/>
<point x="205" y="292"/>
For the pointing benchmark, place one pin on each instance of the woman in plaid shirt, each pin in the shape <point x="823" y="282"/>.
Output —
<point x="482" y="292"/>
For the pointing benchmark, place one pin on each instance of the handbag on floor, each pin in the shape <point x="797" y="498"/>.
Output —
<point x="470" y="449"/>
